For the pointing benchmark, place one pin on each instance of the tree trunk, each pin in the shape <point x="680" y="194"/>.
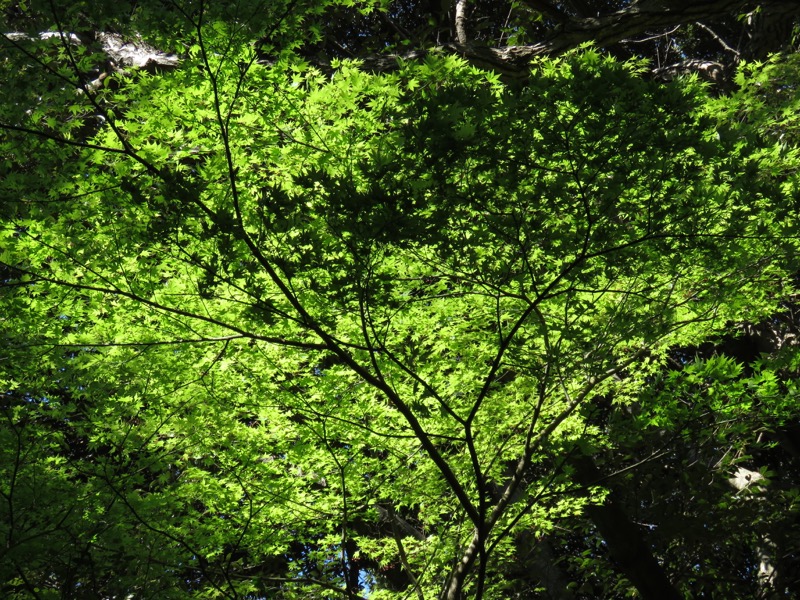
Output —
<point x="626" y="546"/>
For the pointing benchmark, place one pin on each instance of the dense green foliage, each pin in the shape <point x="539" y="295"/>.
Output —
<point x="270" y="332"/>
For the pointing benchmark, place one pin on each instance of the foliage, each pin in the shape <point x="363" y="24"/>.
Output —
<point x="274" y="332"/>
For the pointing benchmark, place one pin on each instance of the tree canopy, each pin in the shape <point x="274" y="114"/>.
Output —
<point x="356" y="300"/>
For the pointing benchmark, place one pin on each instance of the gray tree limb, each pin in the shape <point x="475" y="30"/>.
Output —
<point x="604" y="31"/>
<point x="514" y="61"/>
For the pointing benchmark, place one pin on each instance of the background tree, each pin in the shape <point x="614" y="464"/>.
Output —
<point x="282" y="331"/>
<point x="676" y="36"/>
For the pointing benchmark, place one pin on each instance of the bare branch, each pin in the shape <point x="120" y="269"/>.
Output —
<point x="722" y="42"/>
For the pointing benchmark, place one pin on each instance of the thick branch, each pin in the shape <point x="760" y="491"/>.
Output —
<point x="604" y="31"/>
<point x="123" y="52"/>
<point x="512" y="61"/>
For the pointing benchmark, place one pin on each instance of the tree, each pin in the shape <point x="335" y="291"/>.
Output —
<point x="279" y="331"/>
<point x="678" y="37"/>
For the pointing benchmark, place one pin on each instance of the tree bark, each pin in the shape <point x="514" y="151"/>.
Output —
<point x="548" y="572"/>
<point x="603" y="31"/>
<point x="626" y="546"/>
<point x="514" y="62"/>
<point x="461" y="21"/>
